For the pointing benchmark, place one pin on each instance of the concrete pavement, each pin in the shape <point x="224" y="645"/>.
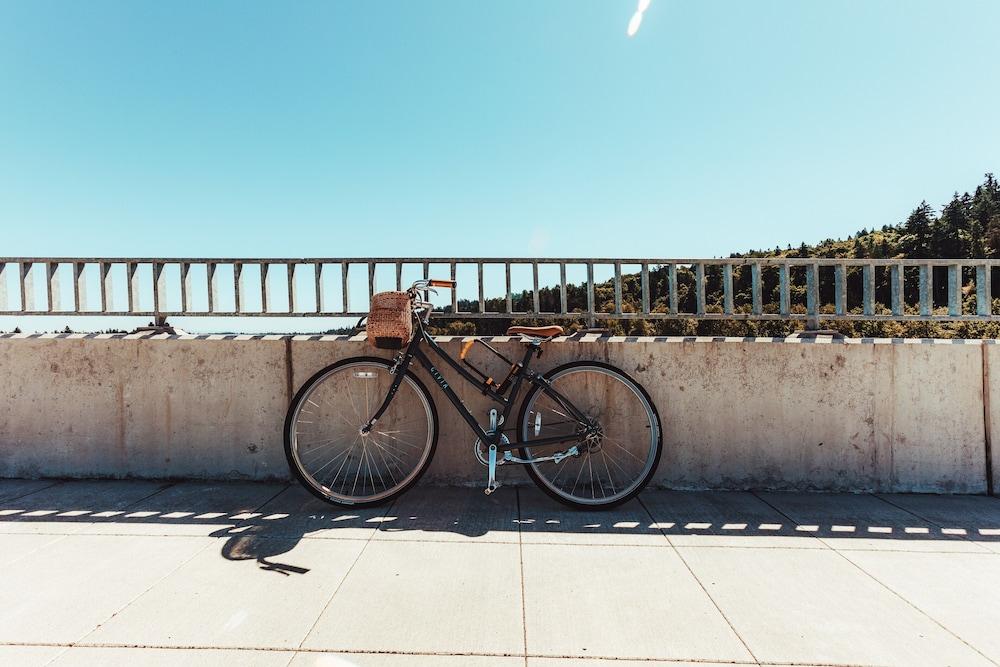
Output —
<point x="140" y="572"/>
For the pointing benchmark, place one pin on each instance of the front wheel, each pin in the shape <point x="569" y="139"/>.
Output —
<point x="330" y="456"/>
<point x="611" y="468"/>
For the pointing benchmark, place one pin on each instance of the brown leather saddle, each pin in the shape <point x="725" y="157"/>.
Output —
<point x="536" y="332"/>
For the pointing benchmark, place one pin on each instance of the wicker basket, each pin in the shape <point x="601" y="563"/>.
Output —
<point x="390" y="321"/>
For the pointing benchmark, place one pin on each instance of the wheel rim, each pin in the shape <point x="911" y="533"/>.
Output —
<point x="330" y="452"/>
<point x="627" y="452"/>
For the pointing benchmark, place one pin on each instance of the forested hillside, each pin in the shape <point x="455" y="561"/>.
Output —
<point x="968" y="226"/>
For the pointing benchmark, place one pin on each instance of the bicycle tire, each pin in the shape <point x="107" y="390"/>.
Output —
<point x="656" y="437"/>
<point x="291" y="437"/>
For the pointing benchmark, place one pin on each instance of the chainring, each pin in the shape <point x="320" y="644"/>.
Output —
<point x="482" y="452"/>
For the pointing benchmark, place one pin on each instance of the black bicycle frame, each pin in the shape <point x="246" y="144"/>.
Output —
<point x="523" y="373"/>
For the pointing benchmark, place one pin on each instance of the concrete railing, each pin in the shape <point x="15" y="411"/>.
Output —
<point x="803" y="289"/>
<point x="856" y="415"/>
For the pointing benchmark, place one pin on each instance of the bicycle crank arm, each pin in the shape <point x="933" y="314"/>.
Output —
<point x="491" y="483"/>
<point x="555" y="458"/>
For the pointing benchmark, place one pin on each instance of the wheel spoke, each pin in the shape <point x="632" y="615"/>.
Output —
<point x="624" y="414"/>
<point x="335" y="459"/>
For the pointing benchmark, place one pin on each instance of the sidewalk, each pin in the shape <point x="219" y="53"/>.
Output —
<point x="135" y="573"/>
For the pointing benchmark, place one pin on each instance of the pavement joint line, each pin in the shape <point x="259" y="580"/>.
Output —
<point x="58" y="538"/>
<point x="197" y="552"/>
<point x="886" y="586"/>
<point x="149" y="588"/>
<point x="62" y="536"/>
<point x="520" y="556"/>
<point x="62" y="653"/>
<point x="424" y="540"/>
<point x="912" y="513"/>
<point x="340" y="584"/>
<point x="431" y="540"/>
<point x="914" y="606"/>
<point x="549" y="656"/>
<point x="699" y="582"/>
<point x="459" y="654"/>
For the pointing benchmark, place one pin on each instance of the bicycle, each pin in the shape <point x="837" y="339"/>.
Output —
<point x="363" y="430"/>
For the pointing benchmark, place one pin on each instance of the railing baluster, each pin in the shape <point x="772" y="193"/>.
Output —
<point x="510" y="296"/>
<point x="727" y="289"/>
<point x="454" y="291"/>
<point x="293" y="290"/>
<point x="699" y="288"/>
<point x="344" y="269"/>
<point x="645" y="287"/>
<point x="535" y="304"/>
<point x="213" y="286"/>
<point x="132" y="269"/>
<point x="371" y="281"/>
<point x="840" y="289"/>
<point x="79" y="287"/>
<point x="563" y="305"/>
<point x="482" y="288"/>
<point x="186" y="286"/>
<point x="159" y="287"/>
<point x="265" y="287"/>
<point x="618" y="288"/>
<point x="984" y="290"/>
<point x="27" y="287"/>
<point x="926" y="290"/>
<point x="52" y="292"/>
<point x="238" y="281"/>
<point x="755" y="288"/>
<point x="784" y="290"/>
<point x="672" y="288"/>
<point x="4" y="303"/>
<point x="868" y="288"/>
<point x="591" y="314"/>
<point x="318" y="277"/>
<point x="812" y="296"/>
<point x="954" y="290"/>
<point x="896" y="286"/>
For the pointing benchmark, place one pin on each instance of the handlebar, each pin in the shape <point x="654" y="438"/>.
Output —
<point x="423" y="307"/>
<point x="421" y="285"/>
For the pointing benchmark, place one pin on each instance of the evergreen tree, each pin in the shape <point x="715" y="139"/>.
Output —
<point x="918" y="233"/>
<point x="950" y="232"/>
<point x="984" y="211"/>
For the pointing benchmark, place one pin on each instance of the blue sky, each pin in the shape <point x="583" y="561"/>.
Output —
<point x="462" y="128"/>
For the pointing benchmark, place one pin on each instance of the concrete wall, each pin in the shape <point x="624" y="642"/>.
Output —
<point x="736" y="414"/>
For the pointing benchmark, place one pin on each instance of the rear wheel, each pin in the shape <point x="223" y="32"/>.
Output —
<point x="611" y="468"/>
<point x="330" y="456"/>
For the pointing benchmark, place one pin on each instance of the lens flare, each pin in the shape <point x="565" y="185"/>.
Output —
<point x="636" y="20"/>
<point x="633" y="25"/>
